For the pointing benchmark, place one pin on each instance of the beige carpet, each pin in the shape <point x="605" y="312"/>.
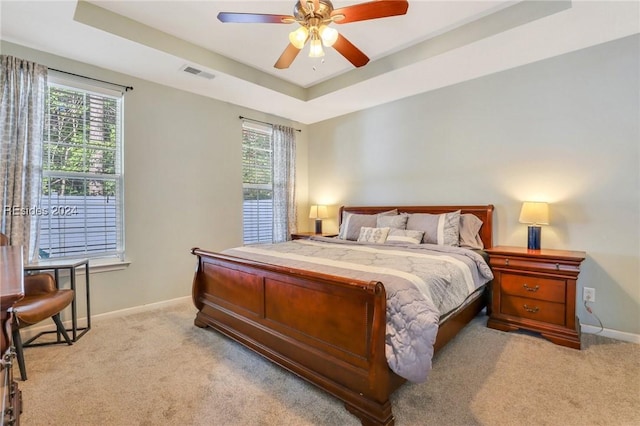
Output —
<point x="156" y="368"/>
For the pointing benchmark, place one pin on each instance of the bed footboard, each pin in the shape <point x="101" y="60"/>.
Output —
<point x="326" y="329"/>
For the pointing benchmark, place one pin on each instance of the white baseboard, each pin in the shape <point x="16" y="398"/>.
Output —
<point x="613" y="334"/>
<point x="141" y="308"/>
<point x="28" y="333"/>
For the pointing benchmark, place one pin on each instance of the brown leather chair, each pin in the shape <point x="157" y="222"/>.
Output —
<point x="42" y="299"/>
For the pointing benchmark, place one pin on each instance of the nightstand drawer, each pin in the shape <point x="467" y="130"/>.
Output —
<point x="538" y="310"/>
<point x="524" y="264"/>
<point x="533" y="287"/>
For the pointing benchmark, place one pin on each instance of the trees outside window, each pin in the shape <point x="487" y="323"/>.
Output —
<point x="82" y="187"/>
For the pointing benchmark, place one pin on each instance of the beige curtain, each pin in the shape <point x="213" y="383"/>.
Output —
<point x="284" y="183"/>
<point x="22" y="108"/>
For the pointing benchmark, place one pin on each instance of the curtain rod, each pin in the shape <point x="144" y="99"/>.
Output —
<point x="263" y="122"/>
<point x="126" y="88"/>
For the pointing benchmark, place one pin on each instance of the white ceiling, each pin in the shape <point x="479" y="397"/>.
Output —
<point x="437" y="43"/>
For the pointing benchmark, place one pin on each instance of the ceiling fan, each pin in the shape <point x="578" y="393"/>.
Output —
<point x="314" y="17"/>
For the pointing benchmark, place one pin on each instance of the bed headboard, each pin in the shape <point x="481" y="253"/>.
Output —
<point x="484" y="213"/>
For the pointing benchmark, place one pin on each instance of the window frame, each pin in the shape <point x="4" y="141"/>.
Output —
<point x="108" y="256"/>
<point x="266" y="130"/>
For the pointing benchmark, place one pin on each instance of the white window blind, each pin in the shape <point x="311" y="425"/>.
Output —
<point x="257" y="183"/>
<point x="82" y="186"/>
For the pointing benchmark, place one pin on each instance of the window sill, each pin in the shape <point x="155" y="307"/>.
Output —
<point x="108" y="265"/>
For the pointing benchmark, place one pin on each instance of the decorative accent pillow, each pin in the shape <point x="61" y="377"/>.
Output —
<point x="442" y="229"/>
<point x="352" y="222"/>
<point x="470" y="226"/>
<point x="403" y="236"/>
<point x="394" y="222"/>
<point x="373" y="235"/>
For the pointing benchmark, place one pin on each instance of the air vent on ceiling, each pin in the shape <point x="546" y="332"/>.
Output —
<point x="195" y="71"/>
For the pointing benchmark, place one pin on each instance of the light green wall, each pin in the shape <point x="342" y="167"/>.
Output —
<point x="565" y="130"/>
<point x="183" y="184"/>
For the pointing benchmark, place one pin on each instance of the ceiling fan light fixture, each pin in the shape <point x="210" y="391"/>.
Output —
<point x="328" y="35"/>
<point x="314" y="17"/>
<point x="299" y="37"/>
<point x="315" y="48"/>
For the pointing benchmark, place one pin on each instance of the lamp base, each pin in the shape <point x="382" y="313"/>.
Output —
<point x="533" y="240"/>
<point x="318" y="226"/>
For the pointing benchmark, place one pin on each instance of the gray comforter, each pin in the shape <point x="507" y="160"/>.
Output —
<point x="423" y="283"/>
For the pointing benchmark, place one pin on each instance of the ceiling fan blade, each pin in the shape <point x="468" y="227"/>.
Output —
<point x="255" y="18"/>
<point x="287" y="57"/>
<point x="350" y="51"/>
<point x="371" y="10"/>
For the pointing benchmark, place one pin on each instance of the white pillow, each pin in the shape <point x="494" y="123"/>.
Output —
<point x="373" y="235"/>
<point x="403" y="236"/>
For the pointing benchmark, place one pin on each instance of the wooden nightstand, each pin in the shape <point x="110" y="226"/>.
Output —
<point x="536" y="290"/>
<point x="306" y="235"/>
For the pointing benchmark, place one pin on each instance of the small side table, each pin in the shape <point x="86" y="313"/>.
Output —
<point x="535" y="290"/>
<point x="72" y="265"/>
<point x="307" y="235"/>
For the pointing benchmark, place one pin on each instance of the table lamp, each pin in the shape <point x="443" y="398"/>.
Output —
<point x="535" y="213"/>
<point x="318" y="213"/>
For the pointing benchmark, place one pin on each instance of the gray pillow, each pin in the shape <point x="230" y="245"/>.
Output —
<point x="395" y="222"/>
<point x="470" y="226"/>
<point x="442" y="229"/>
<point x="352" y="222"/>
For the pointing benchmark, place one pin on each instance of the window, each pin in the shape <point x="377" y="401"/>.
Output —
<point x="257" y="183"/>
<point x="82" y="185"/>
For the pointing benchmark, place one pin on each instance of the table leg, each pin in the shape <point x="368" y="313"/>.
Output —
<point x="88" y="298"/>
<point x="74" y="313"/>
<point x="56" y="277"/>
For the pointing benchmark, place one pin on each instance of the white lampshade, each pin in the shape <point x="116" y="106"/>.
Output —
<point x="534" y="212"/>
<point x="299" y="37"/>
<point x="329" y="35"/>
<point x="318" y="212"/>
<point x="315" y="48"/>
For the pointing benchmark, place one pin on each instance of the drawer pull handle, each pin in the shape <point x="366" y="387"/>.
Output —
<point x="530" y="309"/>
<point x="533" y="289"/>
<point x="506" y="262"/>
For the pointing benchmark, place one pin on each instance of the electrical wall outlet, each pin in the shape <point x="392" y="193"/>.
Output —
<point x="589" y="294"/>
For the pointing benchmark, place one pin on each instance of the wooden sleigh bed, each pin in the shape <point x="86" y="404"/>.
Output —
<point x="327" y="329"/>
